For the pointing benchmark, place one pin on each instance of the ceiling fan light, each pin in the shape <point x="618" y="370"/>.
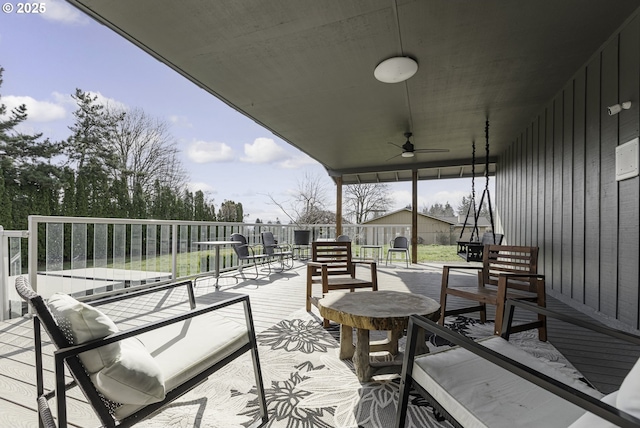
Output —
<point x="407" y="154"/>
<point x="396" y="69"/>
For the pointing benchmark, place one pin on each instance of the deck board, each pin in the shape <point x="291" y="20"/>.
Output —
<point x="602" y="361"/>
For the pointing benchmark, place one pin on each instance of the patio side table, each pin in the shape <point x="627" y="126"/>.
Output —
<point x="375" y="310"/>
<point x="375" y="254"/>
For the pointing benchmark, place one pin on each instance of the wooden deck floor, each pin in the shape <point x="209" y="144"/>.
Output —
<point x="273" y="298"/>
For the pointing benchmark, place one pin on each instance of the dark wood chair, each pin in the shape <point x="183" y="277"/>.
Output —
<point x="332" y="265"/>
<point x="507" y="272"/>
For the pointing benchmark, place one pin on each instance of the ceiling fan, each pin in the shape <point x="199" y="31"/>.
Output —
<point x="409" y="151"/>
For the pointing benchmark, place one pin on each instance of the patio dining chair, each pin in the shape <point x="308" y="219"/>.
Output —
<point x="247" y="254"/>
<point x="274" y="251"/>
<point x="400" y="245"/>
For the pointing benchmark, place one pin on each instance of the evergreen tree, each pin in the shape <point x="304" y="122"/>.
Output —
<point x="30" y="181"/>
<point x="230" y="211"/>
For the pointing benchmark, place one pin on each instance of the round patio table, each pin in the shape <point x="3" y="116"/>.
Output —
<point x="375" y="310"/>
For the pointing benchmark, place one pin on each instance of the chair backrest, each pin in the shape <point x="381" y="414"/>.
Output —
<point x="241" y="249"/>
<point x="336" y="254"/>
<point x="268" y="243"/>
<point x="400" y="242"/>
<point x="343" y="238"/>
<point x="44" y="318"/>
<point x="510" y="259"/>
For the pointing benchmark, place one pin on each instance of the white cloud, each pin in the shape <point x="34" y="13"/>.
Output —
<point x="108" y="102"/>
<point x="263" y="150"/>
<point x="205" y="152"/>
<point x="67" y="100"/>
<point x="297" y="162"/>
<point x="195" y="186"/>
<point x="59" y="11"/>
<point x="180" y="121"/>
<point x="37" y="111"/>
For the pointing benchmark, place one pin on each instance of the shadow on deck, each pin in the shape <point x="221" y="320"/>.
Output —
<point x="601" y="360"/>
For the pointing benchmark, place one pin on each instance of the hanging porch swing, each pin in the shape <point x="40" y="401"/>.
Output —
<point x="472" y="250"/>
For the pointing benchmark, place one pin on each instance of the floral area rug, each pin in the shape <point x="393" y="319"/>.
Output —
<point x="308" y="386"/>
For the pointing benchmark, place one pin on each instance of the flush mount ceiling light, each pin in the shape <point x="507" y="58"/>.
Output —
<point x="396" y="69"/>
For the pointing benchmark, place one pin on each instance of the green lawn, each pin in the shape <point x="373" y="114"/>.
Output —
<point x="428" y="253"/>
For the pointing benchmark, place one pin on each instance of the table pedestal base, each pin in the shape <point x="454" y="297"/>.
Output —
<point x="360" y="352"/>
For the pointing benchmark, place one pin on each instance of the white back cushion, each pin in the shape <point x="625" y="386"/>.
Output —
<point x="82" y="323"/>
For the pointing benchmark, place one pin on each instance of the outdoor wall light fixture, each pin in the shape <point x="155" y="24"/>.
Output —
<point x="396" y="69"/>
<point x="615" y="109"/>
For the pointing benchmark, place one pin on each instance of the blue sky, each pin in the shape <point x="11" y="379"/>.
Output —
<point x="47" y="56"/>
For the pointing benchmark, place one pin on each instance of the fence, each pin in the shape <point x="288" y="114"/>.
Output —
<point x="82" y="256"/>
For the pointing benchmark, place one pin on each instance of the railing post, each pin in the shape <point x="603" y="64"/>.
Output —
<point x="174" y="251"/>
<point x="4" y="275"/>
<point x="32" y="227"/>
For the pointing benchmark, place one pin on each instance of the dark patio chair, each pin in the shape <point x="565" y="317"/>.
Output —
<point x="126" y="376"/>
<point x="247" y="254"/>
<point x="399" y="245"/>
<point x="343" y="238"/>
<point x="274" y="251"/>
<point x="495" y="383"/>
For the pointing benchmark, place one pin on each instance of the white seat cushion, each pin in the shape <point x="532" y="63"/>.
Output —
<point x="478" y="393"/>
<point x="589" y="420"/>
<point x="629" y="394"/>
<point x="186" y="348"/>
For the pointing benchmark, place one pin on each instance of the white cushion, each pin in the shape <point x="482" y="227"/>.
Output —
<point x="123" y="371"/>
<point x="629" y="393"/>
<point x="82" y="323"/>
<point x="478" y="393"/>
<point x="135" y="378"/>
<point x="589" y="420"/>
<point x="186" y="348"/>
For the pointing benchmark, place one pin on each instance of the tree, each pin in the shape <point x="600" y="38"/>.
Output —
<point x="230" y="211"/>
<point x="90" y="153"/>
<point x="307" y="203"/>
<point x="439" y="210"/>
<point x="145" y="152"/>
<point x="30" y="180"/>
<point x="365" y="201"/>
<point x="466" y="202"/>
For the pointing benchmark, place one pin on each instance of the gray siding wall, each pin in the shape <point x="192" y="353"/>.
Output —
<point x="556" y="186"/>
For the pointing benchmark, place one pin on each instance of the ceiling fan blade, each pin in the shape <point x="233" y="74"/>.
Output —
<point x="432" y="150"/>
<point x="394" y="144"/>
<point x="393" y="157"/>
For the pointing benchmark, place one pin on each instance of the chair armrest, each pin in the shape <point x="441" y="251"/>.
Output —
<point x="466" y="267"/>
<point x="521" y="275"/>
<point x="121" y="335"/>
<point x="124" y="294"/>
<point x="579" y="398"/>
<point x="363" y="262"/>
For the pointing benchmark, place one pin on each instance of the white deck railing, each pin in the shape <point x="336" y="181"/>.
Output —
<point x="83" y="255"/>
